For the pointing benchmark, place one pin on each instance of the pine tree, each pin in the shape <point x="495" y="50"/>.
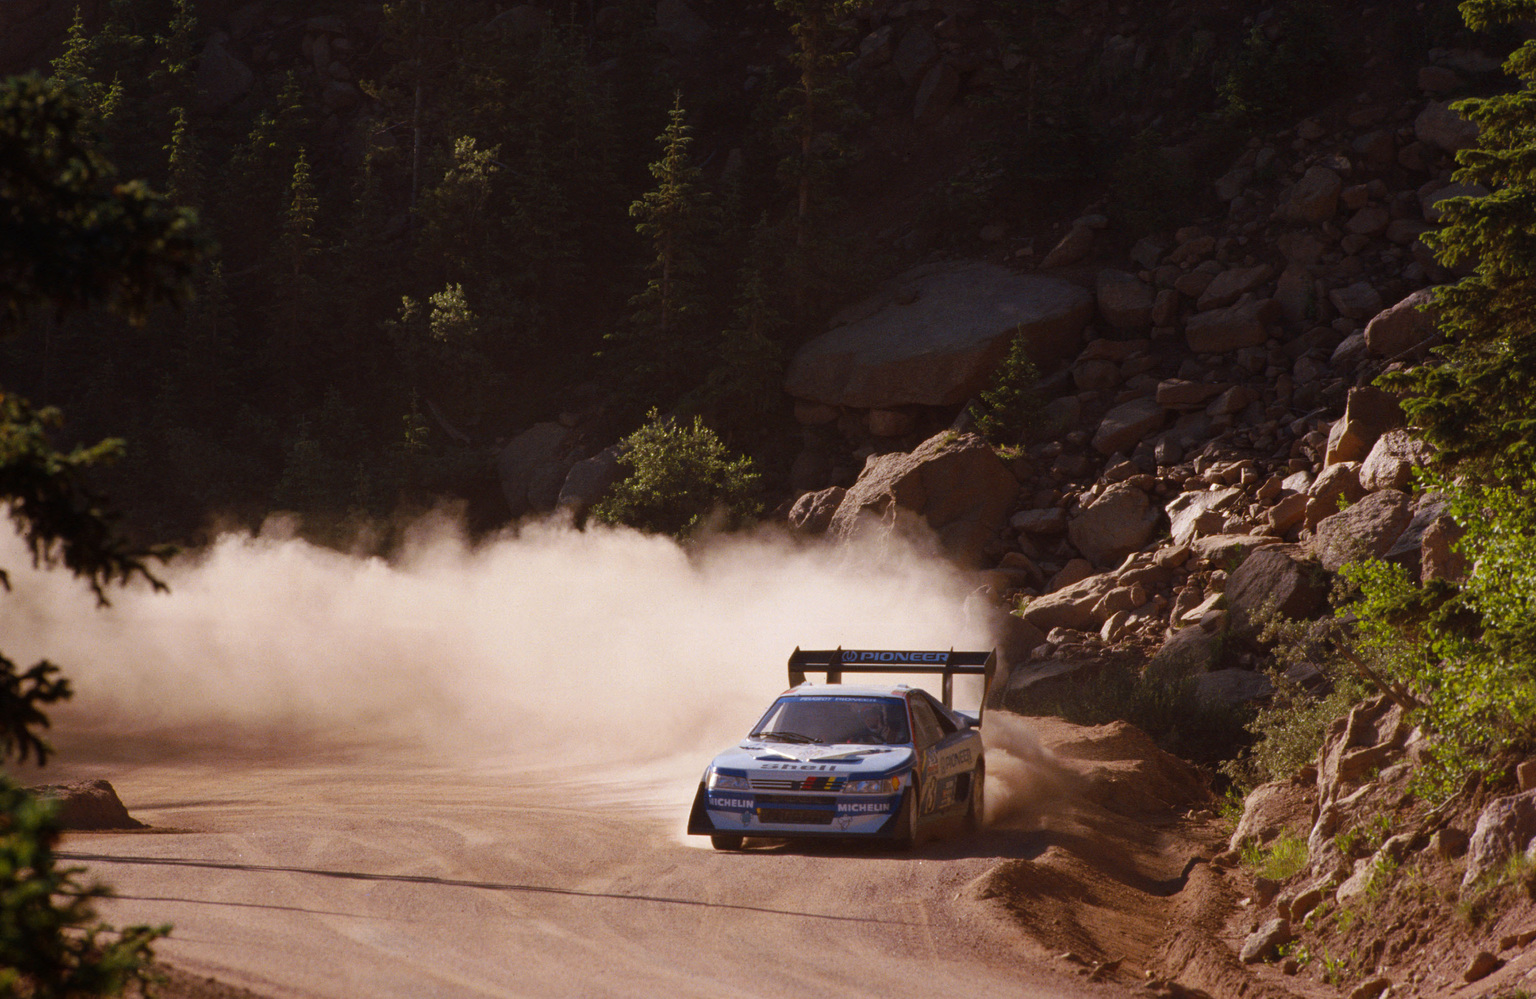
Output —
<point x="674" y="217"/>
<point x="75" y="68"/>
<point x="744" y="386"/>
<point x="658" y="350"/>
<point x="171" y="77"/>
<point x="1473" y="402"/>
<point x="819" y="114"/>
<point x="461" y="235"/>
<point x="184" y="168"/>
<point x="71" y="236"/>
<point x="298" y="301"/>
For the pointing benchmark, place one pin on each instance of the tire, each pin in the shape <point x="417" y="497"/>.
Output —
<point x="726" y="841"/>
<point x="907" y="832"/>
<point x="976" y="808"/>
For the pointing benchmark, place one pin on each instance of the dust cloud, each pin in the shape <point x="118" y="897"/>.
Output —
<point x="1026" y="784"/>
<point x="599" y="642"/>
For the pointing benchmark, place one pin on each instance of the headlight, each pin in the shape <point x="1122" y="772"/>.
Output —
<point x="885" y="785"/>
<point x="725" y="782"/>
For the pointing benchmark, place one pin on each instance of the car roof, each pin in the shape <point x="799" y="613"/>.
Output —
<point x="848" y="690"/>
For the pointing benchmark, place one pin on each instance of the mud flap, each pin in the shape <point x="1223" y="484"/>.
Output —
<point x="895" y="826"/>
<point x="698" y="818"/>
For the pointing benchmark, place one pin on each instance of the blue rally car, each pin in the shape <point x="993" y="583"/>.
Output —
<point x="870" y="761"/>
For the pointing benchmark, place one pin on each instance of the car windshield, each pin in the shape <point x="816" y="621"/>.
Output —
<point x="875" y="721"/>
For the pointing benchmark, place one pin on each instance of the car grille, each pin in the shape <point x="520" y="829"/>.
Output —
<point x="797" y="809"/>
<point x="796" y="816"/>
<point x="802" y="800"/>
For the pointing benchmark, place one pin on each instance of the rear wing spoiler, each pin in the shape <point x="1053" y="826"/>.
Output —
<point x="835" y="662"/>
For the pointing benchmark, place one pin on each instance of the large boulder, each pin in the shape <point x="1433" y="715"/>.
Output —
<point x="1125" y="300"/>
<point x="942" y="347"/>
<point x="1315" y="197"/>
<point x="1230" y="285"/>
<point x="1439" y="126"/>
<point x="1271" y="809"/>
<point x="1338" y="482"/>
<point x="1189" y="651"/>
<point x="1219" y="331"/>
<point x="530" y="462"/>
<point x="1364" y="530"/>
<point x="1072" y="607"/>
<point x="1116" y="523"/>
<point x="222" y="79"/>
<point x="1392" y="460"/>
<point x="1270" y="582"/>
<point x="1439" y="556"/>
<point x="1354" y="748"/>
<point x="1368" y="413"/>
<point x="1128" y="424"/>
<point x="1406" y="329"/>
<point x="813" y="512"/>
<point x="1408" y="550"/>
<point x="588" y="480"/>
<point x="1231" y="688"/>
<point x="940" y="87"/>
<point x="1358" y="301"/>
<point x="1504" y="830"/>
<point x="1186" y="509"/>
<point x="955" y="484"/>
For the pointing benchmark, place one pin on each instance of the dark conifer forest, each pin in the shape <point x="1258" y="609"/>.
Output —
<point x="428" y="224"/>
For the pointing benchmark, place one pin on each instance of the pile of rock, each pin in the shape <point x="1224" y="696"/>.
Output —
<point x="1214" y="447"/>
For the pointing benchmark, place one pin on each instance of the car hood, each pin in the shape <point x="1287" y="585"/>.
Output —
<point x="752" y="756"/>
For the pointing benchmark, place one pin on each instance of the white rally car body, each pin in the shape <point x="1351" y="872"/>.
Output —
<point x="868" y="761"/>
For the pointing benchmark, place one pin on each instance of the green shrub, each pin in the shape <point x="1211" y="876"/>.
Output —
<point x="1282" y="63"/>
<point x="51" y="944"/>
<point x="1149" y="188"/>
<point x="1288" y="731"/>
<point x="1166" y="708"/>
<point x="1467" y="652"/>
<point x="1281" y="859"/>
<point x="678" y="475"/>
<point x="1010" y="406"/>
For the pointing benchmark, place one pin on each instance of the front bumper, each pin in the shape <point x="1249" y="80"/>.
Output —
<point x="779" y="816"/>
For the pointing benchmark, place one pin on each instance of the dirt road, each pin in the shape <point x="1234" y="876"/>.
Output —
<point x="390" y="875"/>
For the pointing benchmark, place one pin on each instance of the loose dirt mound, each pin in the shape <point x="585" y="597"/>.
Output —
<point x="1121" y="887"/>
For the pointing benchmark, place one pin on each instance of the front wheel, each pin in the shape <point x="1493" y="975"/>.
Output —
<point x="976" y="810"/>
<point x="726" y="841"/>
<point x="906" y="821"/>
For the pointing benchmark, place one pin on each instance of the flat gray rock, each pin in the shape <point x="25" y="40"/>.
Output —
<point x="941" y="348"/>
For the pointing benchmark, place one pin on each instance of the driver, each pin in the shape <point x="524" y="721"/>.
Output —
<point x="877" y="729"/>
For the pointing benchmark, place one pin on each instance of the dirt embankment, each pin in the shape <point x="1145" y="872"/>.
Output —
<point x="1123" y="887"/>
<point x="1346" y="884"/>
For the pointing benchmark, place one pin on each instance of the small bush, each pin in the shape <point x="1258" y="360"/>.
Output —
<point x="51" y="941"/>
<point x="1281" y="859"/>
<point x="678" y="475"/>
<point x="1281" y="63"/>
<point x="1149" y="189"/>
<point x="1288" y="732"/>
<point x="1166" y="708"/>
<point x="1010" y="407"/>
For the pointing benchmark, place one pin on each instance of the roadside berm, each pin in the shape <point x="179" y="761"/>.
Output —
<point x="1336" y="882"/>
